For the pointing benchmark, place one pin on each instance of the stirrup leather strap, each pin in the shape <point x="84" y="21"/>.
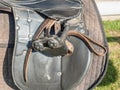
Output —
<point x="48" y="23"/>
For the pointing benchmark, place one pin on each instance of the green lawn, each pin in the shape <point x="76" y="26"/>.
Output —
<point x="112" y="79"/>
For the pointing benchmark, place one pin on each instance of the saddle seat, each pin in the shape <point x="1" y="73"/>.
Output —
<point x="52" y="8"/>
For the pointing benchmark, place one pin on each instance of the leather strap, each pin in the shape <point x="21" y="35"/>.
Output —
<point x="88" y="41"/>
<point x="48" y="23"/>
<point x="45" y="25"/>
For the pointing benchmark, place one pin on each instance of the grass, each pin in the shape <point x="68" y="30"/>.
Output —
<point x="111" y="80"/>
<point x="112" y="25"/>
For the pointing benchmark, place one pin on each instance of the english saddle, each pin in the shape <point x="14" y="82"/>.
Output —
<point x="53" y="49"/>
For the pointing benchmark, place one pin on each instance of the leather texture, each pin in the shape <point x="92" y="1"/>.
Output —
<point x="45" y="72"/>
<point x="42" y="70"/>
<point x="57" y="9"/>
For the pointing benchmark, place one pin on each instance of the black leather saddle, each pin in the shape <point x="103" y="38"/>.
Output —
<point x="53" y="50"/>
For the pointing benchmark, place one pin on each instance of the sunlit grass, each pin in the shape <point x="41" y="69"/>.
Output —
<point x="112" y="25"/>
<point x="111" y="80"/>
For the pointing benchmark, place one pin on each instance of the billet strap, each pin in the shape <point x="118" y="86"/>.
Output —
<point x="88" y="42"/>
<point x="48" y="23"/>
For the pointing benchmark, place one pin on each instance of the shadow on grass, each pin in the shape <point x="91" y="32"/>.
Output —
<point x="114" y="39"/>
<point x="111" y="75"/>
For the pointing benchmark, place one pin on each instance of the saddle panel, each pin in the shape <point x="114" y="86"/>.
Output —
<point x="57" y="9"/>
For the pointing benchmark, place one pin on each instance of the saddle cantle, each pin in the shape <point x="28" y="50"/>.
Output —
<point x="53" y="50"/>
